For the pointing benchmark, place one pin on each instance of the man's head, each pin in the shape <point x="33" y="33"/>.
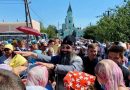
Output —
<point x="115" y="53"/>
<point x="57" y="41"/>
<point x="51" y="42"/>
<point x="92" y="51"/>
<point x="34" y="45"/>
<point x="66" y="49"/>
<point x="44" y="46"/>
<point x="21" y="43"/>
<point x="10" y="81"/>
<point x="67" y="44"/>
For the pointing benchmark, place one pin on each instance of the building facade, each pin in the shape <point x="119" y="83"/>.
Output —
<point x="8" y="29"/>
<point x="68" y="28"/>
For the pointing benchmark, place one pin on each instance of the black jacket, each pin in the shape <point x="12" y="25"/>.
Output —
<point x="89" y="65"/>
<point x="89" y="68"/>
<point x="126" y="74"/>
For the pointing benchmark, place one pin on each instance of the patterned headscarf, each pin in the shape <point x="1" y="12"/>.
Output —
<point x="37" y="76"/>
<point x="78" y="80"/>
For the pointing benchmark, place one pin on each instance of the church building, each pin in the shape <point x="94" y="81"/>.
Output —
<point x="68" y="28"/>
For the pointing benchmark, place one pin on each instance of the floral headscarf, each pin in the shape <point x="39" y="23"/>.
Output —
<point x="78" y="80"/>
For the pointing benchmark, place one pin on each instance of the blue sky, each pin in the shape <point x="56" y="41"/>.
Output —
<point x="50" y="12"/>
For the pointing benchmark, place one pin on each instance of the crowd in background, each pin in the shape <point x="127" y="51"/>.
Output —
<point x="68" y="64"/>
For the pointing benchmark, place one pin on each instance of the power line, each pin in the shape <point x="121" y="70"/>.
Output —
<point x="36" y="14"/>
<point x="10" y="0"/>
<point x="11" y="3"/>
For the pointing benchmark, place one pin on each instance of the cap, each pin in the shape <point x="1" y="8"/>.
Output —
<point x="33" y="42"/>
<point x="9" y="46"/>
<point x="69" y="40"/>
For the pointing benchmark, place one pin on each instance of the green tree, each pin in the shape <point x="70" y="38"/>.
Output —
<point x="42" y="28"/>
<point x="90" y="32"/>
<point x="114" y="26"/>
<point x="52" y="31"/>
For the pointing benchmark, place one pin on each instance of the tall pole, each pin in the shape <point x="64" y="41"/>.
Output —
<point x="25" y="4"/>
<point x="28" y="18"/>
<point x="27" y="14"/>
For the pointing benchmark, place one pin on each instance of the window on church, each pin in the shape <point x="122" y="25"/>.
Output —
<point x="69" y="21"/>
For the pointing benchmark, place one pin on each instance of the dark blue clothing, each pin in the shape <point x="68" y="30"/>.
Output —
<point x="2" y="59"/>
<point x="49" y="86"/>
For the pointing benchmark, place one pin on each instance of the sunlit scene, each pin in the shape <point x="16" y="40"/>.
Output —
<point x="64" y="44"/>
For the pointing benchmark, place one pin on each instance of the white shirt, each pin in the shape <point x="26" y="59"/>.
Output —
<point x="7" y="60"/>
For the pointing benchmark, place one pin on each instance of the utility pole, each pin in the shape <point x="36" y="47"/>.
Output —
<point x="28" y="18"/>
<point x="58" y="25"/>
<point x="27" y="14"/>
<point x="90" y="24"/>
<point x="108" y="13"/>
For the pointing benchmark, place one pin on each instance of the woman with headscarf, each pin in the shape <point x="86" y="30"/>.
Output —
<point x="110" y="75"/>
<point x="37" y="78"/>
<point x="12" y="59"/>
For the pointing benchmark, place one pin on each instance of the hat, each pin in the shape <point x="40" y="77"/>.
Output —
<point x="9" y="46"/>
<point x="69" y="40"/>
<point x="33" y="42"/>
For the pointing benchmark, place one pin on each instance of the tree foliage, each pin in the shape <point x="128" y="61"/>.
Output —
<point x="89" y="32"/>
<point x="51" y="30"/>
<point x="114" y="26"/>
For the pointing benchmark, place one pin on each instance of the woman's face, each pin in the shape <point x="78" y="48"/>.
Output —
<point x="101" y="81"/>
<point x="7" y="51"/>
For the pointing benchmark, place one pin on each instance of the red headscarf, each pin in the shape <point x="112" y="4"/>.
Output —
<point x="78" y="80"/>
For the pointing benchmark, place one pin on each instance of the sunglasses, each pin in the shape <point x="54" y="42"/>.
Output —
<point x="6" y="49"/>
<point x="66" y="47"/>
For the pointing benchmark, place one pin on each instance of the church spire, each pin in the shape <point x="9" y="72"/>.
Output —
<point x="69" y="9"/>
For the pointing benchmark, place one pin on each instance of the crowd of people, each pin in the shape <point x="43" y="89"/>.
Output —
<point x="68" y="64"/>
